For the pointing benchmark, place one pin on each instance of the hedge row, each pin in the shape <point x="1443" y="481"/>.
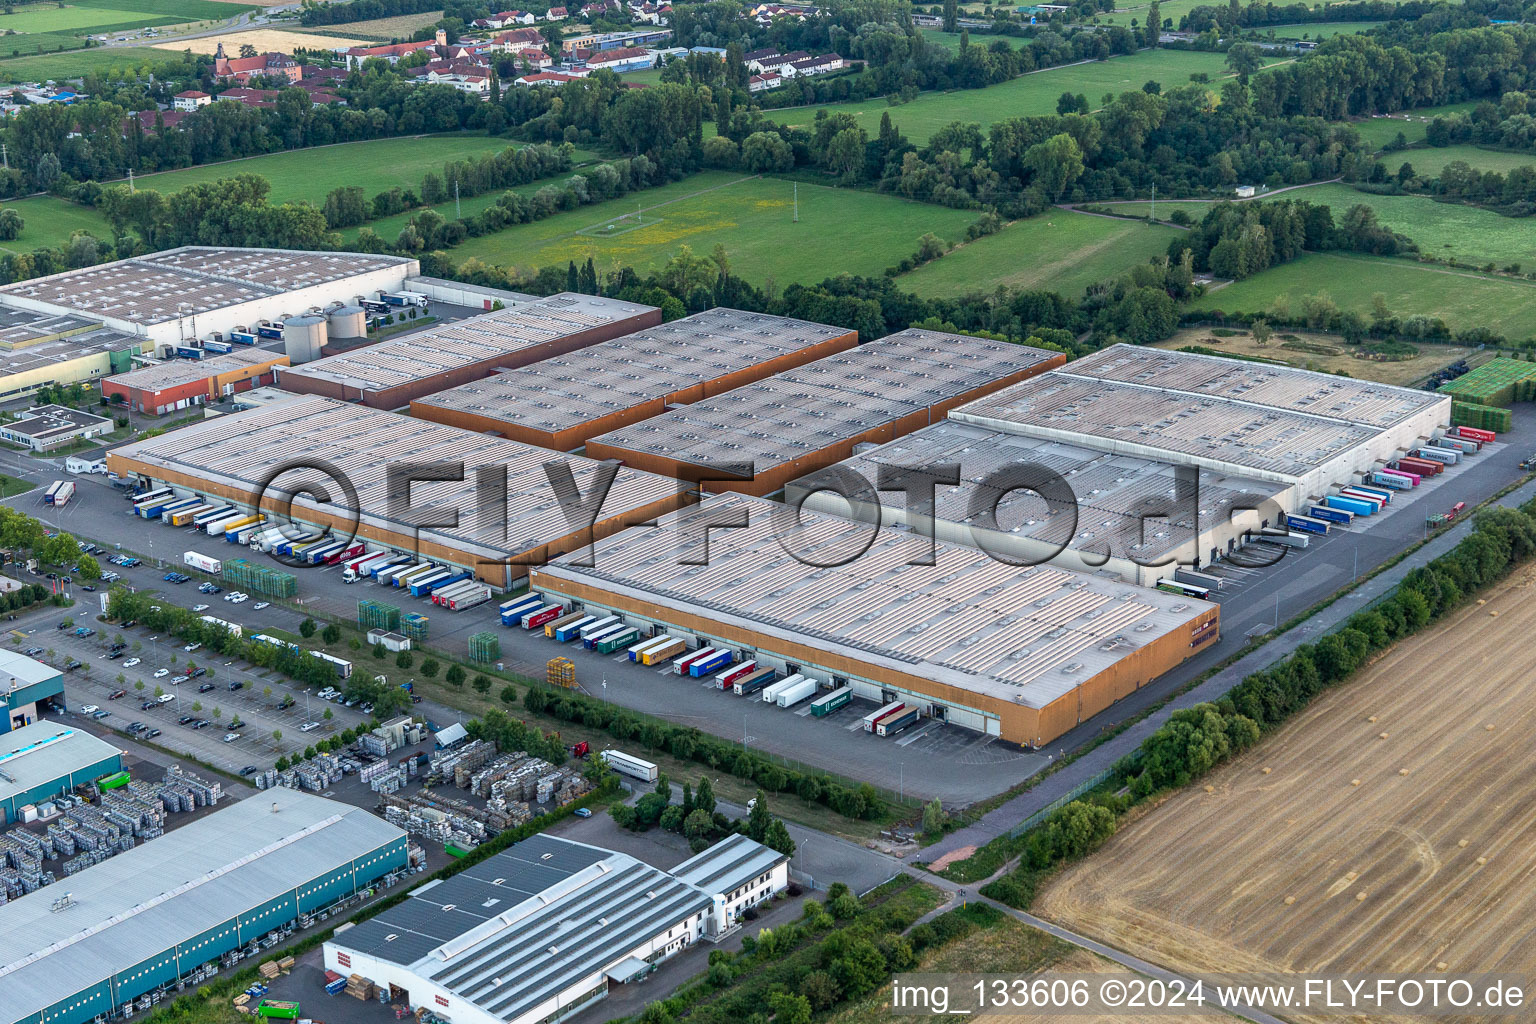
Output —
<point x="1195" y="740"/>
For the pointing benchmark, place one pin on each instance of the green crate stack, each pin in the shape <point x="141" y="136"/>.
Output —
<point x="1483" y="417"/>
<point x="414" y="625"/>
<point x="376" y="615"/>
<point x="250" y="576"/>
<point x="1495" y="383"/>
<point x="484" y="648"/>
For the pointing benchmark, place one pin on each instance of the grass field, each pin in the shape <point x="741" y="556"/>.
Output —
<point x="1058" y="251"/>
<point x="1468" y="233"/>
<point x="1430" y="159"/>
<point x="1404" y="373"/>
<point x="1396" y="819"/>
<point x="43" y="28"/>
<point x="1196" y="208"/>
<point x="61" y="66"/>
<point x="383" y="29"/>
<point x="1321" y="29"/>
<point x="1026" y="95"/>
<point x="751" y="217"/>
<point x="50" y="221"/>
<point x="1137" y="12"/>
<point x="375" y="165"/>
<point x="951" y="40"/>
<point x="1462" y="299"/>
<point x="1380" y="131"/>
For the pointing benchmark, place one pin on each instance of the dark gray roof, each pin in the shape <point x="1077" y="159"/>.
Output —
<point x="729" y="864"/>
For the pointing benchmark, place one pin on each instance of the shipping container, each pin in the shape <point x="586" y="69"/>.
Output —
<point x="65" y="492"/>
<point x="444" y="594"/>
<point x="386" y="575"/>
<point x="792" y="695"/>
<point x="637" y="652"/>
<point x="551" y="627"/>
<point x="479" y="594"/>
<point x="202" y="562"/>
<point x="830" y="702"/>
<point x="53" y="489"/>
<point x="752" y="681"/>
<point x="874" y="716"/>
<point x="1397" y="467"/>
<point x="1449" y="456"/>
<point x="188" y="352"/>
<point x="1199" y="579"/>
<point x="771" y="692"/>
<point x="1381" y="492"/>
<point x="269" y="329"/>
<point x="718" y="659"/>
<point x="421" y="570"/>
<point x="622" y="638"/>
<point x="1359" y="495"/>
<point x="184" y="505"/>
<point x="893" y="724"/>
<point x="405" y="299"/>
<point x="624" y="764"/>
<point x="151" y="509"/>
<point x="591" y="640"/>
<point x="895" y="710"/>
<point x="185" y="516"/>
<point x="1391" y="478"/>
<point x="1358" y="506"/>
<point x="368" y="566"/>
<point x="680" y="666"/>
<point x="569" y="631"/>
<point x="1465" y="445"/>
<point x="356" y="559"/>
<point x="1332" y="515"/>
<point x="735" y="672"/>
<point x="318" y="553"/>
<point x="1423" y="467"/>
<point x="1476" y="434"/>
<point x="1306" y="524"/>
<point x="233" y="627"/>
<point x="242" y="535"/>
<point x="243" y="337"/>
<point x="1173" y="586"/>
<point x="294" y="543"/>
<point x="671" y="649"/>
<point x="548" y="613"/>
<point x="214" y="514"/>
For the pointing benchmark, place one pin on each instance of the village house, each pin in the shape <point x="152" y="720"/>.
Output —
<point x="190" y="100"/>
<point x="242" y="69"/>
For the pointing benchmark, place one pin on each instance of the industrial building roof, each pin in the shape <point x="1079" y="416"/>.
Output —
<point x="1276" y="387"/>
<point x="142" y="902"/>
<point x="18" y="670"/>
<point x="36" y="755"/>
<point x="242" y="449"/>
<point x="30" y="340"/>
<point x="477" y="339"/>
<point x="1221" y="430"/>
<point x="44" y="422"/>
<point x="812" y="407"/>
<point x="191" y="280"/>
<point x="1027" y="634"/>
<point x="1122" y="505"/>
<point x="522" y="926"/>
<point x="176" y="372"/>
<point x="564" y="391"/>
<point x="728" y="865"/>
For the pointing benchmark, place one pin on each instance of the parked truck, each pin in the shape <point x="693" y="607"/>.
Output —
<point x="792" y="695"/>
<point x="893" y="723"/>
<point x="62" y="493"/>
<point x="718" y="659"/>
<point x="752" y="681"/>
<point x="829" y="702"/>
<point x="203" y="563"/>
<point x="405" y="299"/>
<point x="476" y="594"/>
<point x="875" y="716"/>
<point x="671" y="649"/>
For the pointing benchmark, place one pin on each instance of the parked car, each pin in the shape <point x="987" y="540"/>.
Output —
<point x="71" y="665"/>
<point x="249" y="769"/>
<point x="33" y="652"/>
<point x="89" y="709"/>
<point x="165" y="698"/>
<point x="307" y="726"/>
<point x="178" y="680"/>
<point x="285" y="703"/>
<point x="152" y="734"/>
<point x="230" y="737"/>
<point x="117" y="694"/>
<point x="132" y="662"/>
<point x="161" y="673"/>
<point x="148" y="704"/>
<point x="200" y="607"/>
<point x="186" y="720"/>
<point x="103" y="713"/>
<point x="583" y="812"/>
<point x="198" y="672"/>
<point x="192" y="646"/>
<point x="236" y="685"/>
<point x="202" y="723"/>
<point x="259" y="605"/>
<point x="114" y="654"/>
<point x="205" y="688"/>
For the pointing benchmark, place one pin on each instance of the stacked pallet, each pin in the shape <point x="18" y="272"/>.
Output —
<point x="359" y="987"/>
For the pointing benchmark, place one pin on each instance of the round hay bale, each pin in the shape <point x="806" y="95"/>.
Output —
<point x="1493" y="614"/>
<point x="1354" y="782"/>
<point x="1488" y="727"/>
<point x="1372" y="719"/>
<point x="1361" y="895"/>
<point x="1481" y="601"/>
<point x="1402" y="771"/>
<point x="1482" y="860"/>
<point x="1442" y="965"/>
<point x="1210" y="789"/>
<point x="1462" y="844"/>
<point x="1383" y="736"/>
<point x="1289" y="900"/>
<point x="1264" y="771"/>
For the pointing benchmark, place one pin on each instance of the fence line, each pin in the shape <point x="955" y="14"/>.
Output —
<point x="1072" y="794"/>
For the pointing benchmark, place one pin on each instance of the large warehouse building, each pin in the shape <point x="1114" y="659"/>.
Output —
<point x="1120" y="513"/>
<point x="171" y="297"/>
<point x="179" y="384"/>
<point x="549" y="926"/>
<point x="559" y="403"/>
<point x="39" y="350"/>
<point x="807" y="418"/>
<point x="1305" y="431"/>
<point x="134" y="924"/>
<point x="41" y="761"/>
<point x="1023" y="653"/>
<point x="231" y="457"/>
<point x="392" y="374"/>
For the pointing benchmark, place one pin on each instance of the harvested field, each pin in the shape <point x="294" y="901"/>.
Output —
<point x="1394" y="831"/>
<point x="263" y="39"/>
<point x="399" y="27"/>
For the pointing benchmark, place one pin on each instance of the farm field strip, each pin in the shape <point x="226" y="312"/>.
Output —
<point x="751" y="217"/>
<point x="1461" y="298"/>
<point x="1398" y="816"/>
<point x="1404" y="373"/>
<point x="1465" y="232"/>
<point x="400" y="26"/>
<point x="265" y="39"/>
<point x="1431" y="160"/>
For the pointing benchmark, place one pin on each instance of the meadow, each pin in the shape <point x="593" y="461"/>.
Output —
<point x="1027" y="95"/>
<point x="1413" y="124"/>
<point x="1173" y="10"/>
<point x="42" y="28"/>
<point x="1334" y="357"/>
<point x="1468" y="233"/>
<point x="1461" y="298"/>
<point x="58" y="67"/>
<point x="1057" y="251"/>
<point x="1320" y="29"/>
<point x="1429" y="160"/>
<point x="751" y="217"/>
<point x="382" y="29"/>
<point x="50" y="221"/>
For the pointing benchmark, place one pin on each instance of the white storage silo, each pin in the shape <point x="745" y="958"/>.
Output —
<point x="348" y="323"/>
<point x="304" y="337"/>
